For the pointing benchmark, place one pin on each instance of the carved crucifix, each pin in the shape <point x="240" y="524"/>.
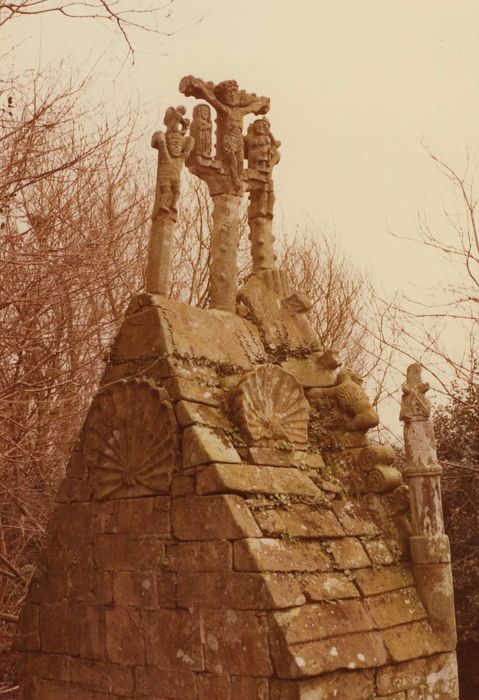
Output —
<point x="231" y="105"/>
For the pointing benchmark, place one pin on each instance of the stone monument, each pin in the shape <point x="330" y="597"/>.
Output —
<point x="226" y="529"/>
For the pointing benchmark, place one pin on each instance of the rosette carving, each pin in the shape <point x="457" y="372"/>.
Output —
<point x="130" y="440"/>
<point x="269" y="405"/>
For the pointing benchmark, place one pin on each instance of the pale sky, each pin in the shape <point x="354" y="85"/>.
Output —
<point x="355" y="87"/>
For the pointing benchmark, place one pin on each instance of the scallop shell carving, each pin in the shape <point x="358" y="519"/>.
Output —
<point x="130" y="440"/>
<point x="269" y="405"/>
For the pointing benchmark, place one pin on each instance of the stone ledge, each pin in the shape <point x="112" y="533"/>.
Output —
<point x="349" y="652"/>
<point x="248" y="479"/>
<point x="279" y="555"/>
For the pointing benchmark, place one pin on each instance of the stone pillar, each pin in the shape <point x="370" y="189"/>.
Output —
<point x="430" y="551"/>
<point x="224" y="246"/>
<point x="261" y="226"/>
<point x="160" y="250"/>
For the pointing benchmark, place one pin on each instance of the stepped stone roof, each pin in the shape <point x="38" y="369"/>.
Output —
<point x="226" y="530"/>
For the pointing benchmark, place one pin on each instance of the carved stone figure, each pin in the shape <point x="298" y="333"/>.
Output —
<point x="175" y="119"/>
<point x="261" y="148"/>
<point x="351" y="399"/>
<point x="173" y="149"/>
<point x="269" y="405"/>
<point x="201" y="129"/>
<point x="130" y="440"/>
<point x="414" y="405"/>
<point x="231" y="105"/>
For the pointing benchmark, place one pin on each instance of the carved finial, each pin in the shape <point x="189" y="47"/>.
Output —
<point x="414" y="405"/>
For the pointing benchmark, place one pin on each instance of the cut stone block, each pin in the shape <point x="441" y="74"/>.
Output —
<point x="390" y="578"/>
<point x="212" y="518"/>
<point x="191" y="413"/>
<point x="239" y="590"/>
<point x="200" y="556"/>
<point x="353" y="685"/>
<point x="353" y="651"/>
<point x="313" y="622"/>
<point x="285" y="458"/>
<point x="236" y="641"/>
<point x="299" y="520"/>
<point x="411" y="641"/>
<point x="247" y="479"/>
<point x="185" y="652"/>
<point x="279" y="555"/>
<point x="396" y="607"/>
<point x="348" y="553"/>
<point x="202" y="445"/>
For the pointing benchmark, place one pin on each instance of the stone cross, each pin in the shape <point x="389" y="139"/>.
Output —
<point x="224" y="174"/>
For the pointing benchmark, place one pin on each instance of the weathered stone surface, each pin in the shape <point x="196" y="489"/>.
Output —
<point x="118" y="552"/>
<point x="179" y="644"/>
<point x="355" y="520"/>
<point x="135" y="589"/>
<point x="354" y="685"/>
<point x="27" y="636"/>
<point x="245" y="688"/>
<point x="312" y="622"/>
<point x="401" y="677"/>
<point x="202" y="445"/>
<point x="378" y="552"/>
<point x="237" y="641"/>
<point x="98" y="677"/>
<point x="154" y="682"/>
<point x="214" y="686"/>
<point x="92" y="631"/>
<point x="144" y="517"/>
<point x="412" y="641"/>
<point x="396" y="607"/>
<point x="180" y="388"/>
<point x="212" y="518"/>
<point x="200" y="556"/>
<point x="353" y="651"/>
<point x="298" y="520"/>
<point x="50" y="666"/>
<point x="239" y="590"/>
<point x="191" y="413"/>
<point x="270" y="456"/>
<point x="279" y="555"/>
<point x="348" y="553"/>
<point x="124" y="636"/>
<point x="434" y="677"/>
<point x="59" y="628"/>
<point x="330" y="586"/>
<point x="224" y="478"/>
<point x="390" y="578"/>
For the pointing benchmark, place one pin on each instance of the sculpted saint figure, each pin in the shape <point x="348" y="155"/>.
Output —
<point x="231" y="105"/>
<point x="173" y="149"/>
<point x="261" y="148"/>
<point x="200" y="130"/>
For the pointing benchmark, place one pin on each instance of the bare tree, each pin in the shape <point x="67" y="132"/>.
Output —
<point x="125" y="16"/>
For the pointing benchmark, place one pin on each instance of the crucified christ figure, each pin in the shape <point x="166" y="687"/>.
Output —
<point x="231" y="105"/>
